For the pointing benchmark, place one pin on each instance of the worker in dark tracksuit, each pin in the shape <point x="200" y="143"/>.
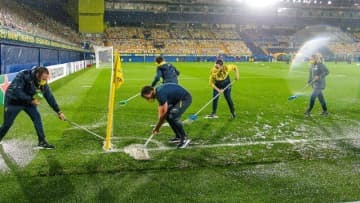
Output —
<point x="173" y="101"/>
<point x="24" y="93"/>
<point x="219" y="79"/>
<point x="166" y="71"/>
<point x="317" y="75"/>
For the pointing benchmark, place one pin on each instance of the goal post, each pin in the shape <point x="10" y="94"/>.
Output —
<point x="104" y="57"/>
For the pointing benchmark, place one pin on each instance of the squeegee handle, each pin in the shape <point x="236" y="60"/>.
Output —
<point x="148" y="140"/>
<point x="85" y="129"/>
<point x="212" y="99"/>
<point x="133" y="97"/>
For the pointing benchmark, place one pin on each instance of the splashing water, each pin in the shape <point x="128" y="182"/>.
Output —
<point x="309" y="48"/>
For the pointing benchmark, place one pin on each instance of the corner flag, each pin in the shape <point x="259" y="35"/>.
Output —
<point x="117" y="79"/>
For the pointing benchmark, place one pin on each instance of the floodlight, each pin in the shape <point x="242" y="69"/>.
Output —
<point x="258" y="4"/>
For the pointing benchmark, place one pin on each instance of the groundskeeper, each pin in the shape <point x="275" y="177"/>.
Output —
<point x="317" y="76"/>
<point x="166" y="71"/>
<point x="24" y="94"/>
<point x="218" y="80"/>
<point x="173" y="101"/>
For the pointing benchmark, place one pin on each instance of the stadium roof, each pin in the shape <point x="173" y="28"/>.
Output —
<point x="323" y="3"/>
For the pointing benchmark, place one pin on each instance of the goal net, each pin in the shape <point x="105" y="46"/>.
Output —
<point x="104" y="57"/>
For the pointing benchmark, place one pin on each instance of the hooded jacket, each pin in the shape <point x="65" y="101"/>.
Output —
<point x="320" y="70"/>
<point x="167" y="72"/>
<point x="23" y="89"/>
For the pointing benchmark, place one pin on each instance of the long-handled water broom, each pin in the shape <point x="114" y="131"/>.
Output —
<point x="295" y="96"/>
<point x="85" y="129"/>
<point x="73" y="123"/>
<point x="194" y="117"/>
<point x="126" y="101"/>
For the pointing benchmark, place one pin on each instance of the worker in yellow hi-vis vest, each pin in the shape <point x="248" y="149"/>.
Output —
<point x="220" y="82"/>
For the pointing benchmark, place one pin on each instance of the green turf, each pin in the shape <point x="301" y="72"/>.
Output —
<point x="264" y="168"/>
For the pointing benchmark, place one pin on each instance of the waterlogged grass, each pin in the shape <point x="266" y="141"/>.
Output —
<point x="296" y="181"/>
<point x="278" y="154"/>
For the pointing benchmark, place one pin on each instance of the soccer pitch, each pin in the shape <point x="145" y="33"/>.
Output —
<point x="269" y="153"/>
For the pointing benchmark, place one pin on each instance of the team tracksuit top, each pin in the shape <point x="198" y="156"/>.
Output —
<point x="221" y="76"/>
<point x="167" y="72"/>
<point x="23" y="88"/>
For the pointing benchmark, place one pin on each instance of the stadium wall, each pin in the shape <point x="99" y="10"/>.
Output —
<point x="9" y="34"/>
<point x="56" y="72"/>
<point x="15" y="57"/>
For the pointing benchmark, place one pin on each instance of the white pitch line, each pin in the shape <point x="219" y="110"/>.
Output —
<point x="118" y="139"/>
<point x="3" y="166"/>
<point x="204" y="79"/>
<point x="146" y="79"/>
<point x="287" y="141"/>
<point x="19" y="151"/>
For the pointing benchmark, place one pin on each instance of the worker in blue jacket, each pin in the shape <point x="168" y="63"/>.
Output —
<point x="24" y="94"/>
<point x="166" y="71"/>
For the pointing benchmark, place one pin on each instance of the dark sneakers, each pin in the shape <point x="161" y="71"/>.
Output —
<point x="211" y="116"/>
<point x="45" y="145"/>
<point x="174" y="140"/>
<point x="324" y="113"/>
<point x="233" y="115"/>
<point x="183" y="144"/>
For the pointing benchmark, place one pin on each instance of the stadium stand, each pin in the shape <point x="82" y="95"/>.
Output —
<point x="200" y="33"/>
<point x="157" y="33"/>
<point x="339" y="48"/>
<point x="123" y="33"/>
<point x="236" y="48"/>
<point x="213" y="41"/>
<point x="179" y="46"/>
<point x="21" y="17"/>
<point x="134" y="27"/>
<point x="225" y="34"/>
<point x="92" y="39"/>
<point x="177" y="40"/>
<point x="179" y="32"/>
<point x="356" y="35"/>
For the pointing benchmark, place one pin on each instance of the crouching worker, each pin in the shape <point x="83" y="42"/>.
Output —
<point x="173" y="101"/>
<point x="24" y="93"/>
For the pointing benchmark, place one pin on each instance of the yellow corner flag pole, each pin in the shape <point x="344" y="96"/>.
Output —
<point x="117" y="79"/>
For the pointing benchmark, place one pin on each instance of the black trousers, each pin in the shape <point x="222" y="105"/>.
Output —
<point x="227" y="93"/>
<point x="174" y="116"/>
<point x="317" y="93"/>
<point x="10" y="113"/>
